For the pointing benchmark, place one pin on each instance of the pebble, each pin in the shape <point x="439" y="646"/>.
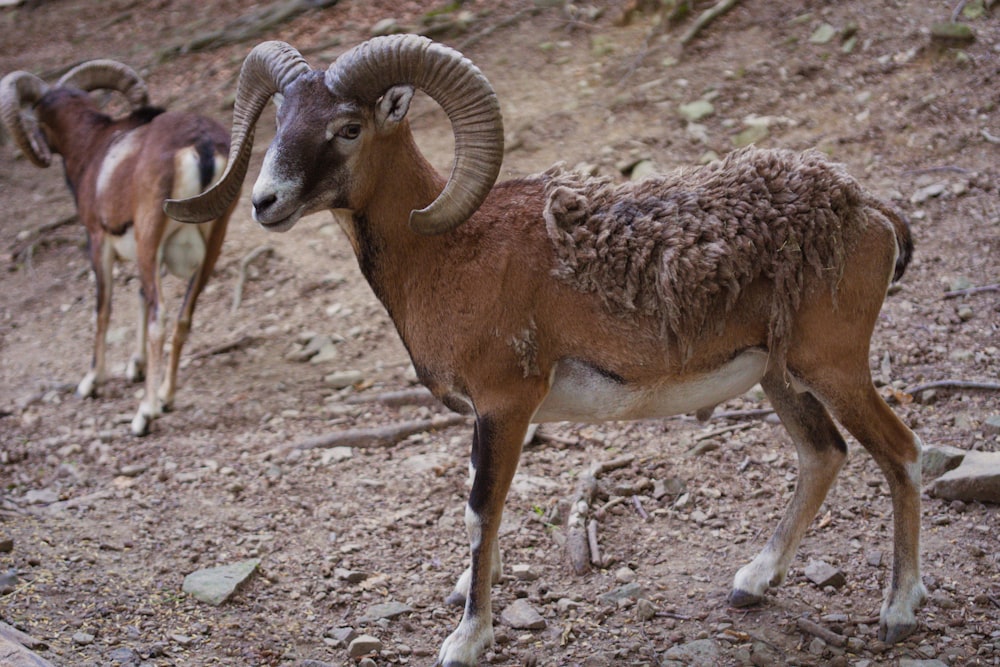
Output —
<point x="823" y="574"/>
<point x="363" y="645"/>
<point x="343" y="379"/>
<point x="520" y="615"/>
<point x="83" y="638"/>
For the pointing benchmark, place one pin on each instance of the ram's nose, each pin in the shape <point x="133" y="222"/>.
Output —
<point x="262" y="202"/>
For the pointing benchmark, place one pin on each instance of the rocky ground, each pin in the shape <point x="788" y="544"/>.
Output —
<point x="100" y="529"/>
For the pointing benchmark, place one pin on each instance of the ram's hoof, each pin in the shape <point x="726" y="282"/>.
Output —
<point x="895" y="633"/>
<point x="140" y="425"/>
<point x="741" y="598"/>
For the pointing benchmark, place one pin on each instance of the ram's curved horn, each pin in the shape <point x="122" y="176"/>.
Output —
<point x="368" y="70"/>
<point x="107" y="75"/>
<point x="268" y="69"/>
<point x="18" y="90"/>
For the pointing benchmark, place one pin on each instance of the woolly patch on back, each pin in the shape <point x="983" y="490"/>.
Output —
<point x="680" y="245"/>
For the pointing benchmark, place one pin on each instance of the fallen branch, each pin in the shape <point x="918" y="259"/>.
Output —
<point x="222" y="348"/>
<point x="705" y="18"/>
<point x="581" y="535"/>
<point x="971" y="290"/>
<point x="244" y="28"/>
<point x="595" y="550"/>
<point x="244" y="263"/>
<point x="397" y="398"/>
<point x="954" y="384"/>
<point x="380" y="436"/>
<point x="720" y="431"/>
<point x="27" y="245"/>
<point x="992" y="138"/>
<point x="489" y="30"/>
<point x="817" y="630"/>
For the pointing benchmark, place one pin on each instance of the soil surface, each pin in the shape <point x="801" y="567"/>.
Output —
<point x="105" y="526"/>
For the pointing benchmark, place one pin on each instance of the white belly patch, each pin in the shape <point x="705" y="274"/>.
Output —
<point x="581" y="393"/>
<point x="183" y="248"/>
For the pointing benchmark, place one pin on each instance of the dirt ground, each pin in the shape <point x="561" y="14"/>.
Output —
<point x="105" y="526"/>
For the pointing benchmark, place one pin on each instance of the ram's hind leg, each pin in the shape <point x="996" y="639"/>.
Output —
<point x="897" y="450"/>
<point x="822" y="452"/>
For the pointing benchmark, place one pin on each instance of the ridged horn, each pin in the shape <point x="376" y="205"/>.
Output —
<point x="18" y="90"/>
<point x="268" y="69"/>
<point x="450" y="79"/>
<point x="107" y="75"/>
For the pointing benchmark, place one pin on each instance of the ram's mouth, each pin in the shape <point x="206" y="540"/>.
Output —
<point x="273" y="224"/>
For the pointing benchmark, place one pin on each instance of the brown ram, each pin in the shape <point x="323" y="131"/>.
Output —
<point x="564" y="298"/>
<point x="120" y="171"/>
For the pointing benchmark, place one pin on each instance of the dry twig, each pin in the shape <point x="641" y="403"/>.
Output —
<point x="971" y="290"/>
<point x="954" y="384"/>
<point x="817" y="630"/>
<point x="395" y="399"/>
<point x="222" y="348"/>
<point x="707" y="17"/>
<point x="380" y="436"/>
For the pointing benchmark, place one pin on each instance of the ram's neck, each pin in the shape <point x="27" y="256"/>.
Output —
<point x="387" y="249"/>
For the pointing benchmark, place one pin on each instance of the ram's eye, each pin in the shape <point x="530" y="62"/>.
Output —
<point x="350" y="131"/>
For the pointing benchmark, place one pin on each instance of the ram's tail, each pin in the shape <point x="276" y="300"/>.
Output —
<point x="904" y="239"/>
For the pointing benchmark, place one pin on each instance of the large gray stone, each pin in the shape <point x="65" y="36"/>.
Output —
<point x="385" y="610"/>
<point x="215" y="585"/>
<point x="936" y="460"/>
<point x="977" y="478"/>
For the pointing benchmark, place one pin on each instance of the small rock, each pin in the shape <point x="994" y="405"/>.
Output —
<point x="124" y="656"/>
<point x="388" y="26"/>
<point x="8" y="582"/>
<point x="823" y="34"/>
<point x="342" y="635"/>
<point x="928" y="192"/>
<point x="6" y="545"/>
<point x="326" y="353"/>
<point x="695" y="111"/>
<point x="751" y="135"/>
<point x="991" y="426"/>
<point x="363" y="645"/>
<point x="335" y="455"/>
<point x="632" y="590"/>
<point x="698" y="653"/>
<point x="524" y="572"/>
<point x="823" y="574"/>
<point x="643" y="169"/>
<point x="520" y="615"/>
<point x="645" y="610"/>
<point x="817" y="646"/>
<point x="83" y="638"/>
<point x="215" y="585"/>
<point x="41" y="496"/>
<point x="342" y="379"/>
<point x="390" y="609"/>
<point x="915" y="662"/>
<point x="624" y="575"/>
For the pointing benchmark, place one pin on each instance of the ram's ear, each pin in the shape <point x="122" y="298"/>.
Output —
<point x="392" y="107"/>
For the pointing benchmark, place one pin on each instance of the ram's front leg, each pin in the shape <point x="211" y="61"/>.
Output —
<point x="102" y="259"/>
<point x="496" y="447"/>
<point x="149" y="260"/>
